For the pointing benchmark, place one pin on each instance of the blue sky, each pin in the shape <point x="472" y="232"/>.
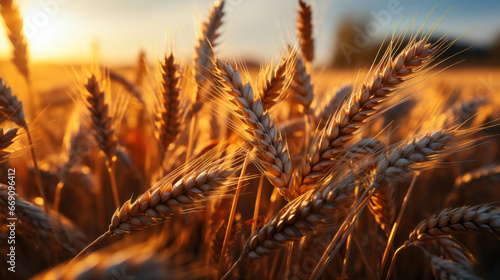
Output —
<point x="253" y="28"/>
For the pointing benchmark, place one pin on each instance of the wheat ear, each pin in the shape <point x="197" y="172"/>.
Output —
<point x="47" y="228"/>
<point x="14" y="24"/>
<point x="449" y="248"/>
<point x="168" y="124"/>
<point x="12" y="109"/>
<point x="102" y="126"/>
<point x="278" y="83"/>
<point x="205" y="45"/>
<point x="355" y="113"/>
<point x="307" y="213"/>
<point x="272" y="149"/>
<point x="304" y="30"/>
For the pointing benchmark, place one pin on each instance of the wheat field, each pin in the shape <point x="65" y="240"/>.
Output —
<point x="214" y="169"/>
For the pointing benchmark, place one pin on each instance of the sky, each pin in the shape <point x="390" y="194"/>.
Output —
<point x="67" y="30"/>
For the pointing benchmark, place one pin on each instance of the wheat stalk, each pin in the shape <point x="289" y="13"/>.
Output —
<point x="383" y="206"/>
<point x="417" y="154"/>
<point x="205" y="45"/>
<point x="101" y="121"/>
<point x="142" y="68"/>
<point x="307" y="213"/>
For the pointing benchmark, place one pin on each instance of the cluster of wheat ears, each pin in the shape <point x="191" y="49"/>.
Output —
<point x="195" y="173"/>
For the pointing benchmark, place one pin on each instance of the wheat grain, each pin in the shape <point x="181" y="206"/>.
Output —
<point x="204" y="54"/>
<point x="10" y="107"/>
<point x="302" y="87"/>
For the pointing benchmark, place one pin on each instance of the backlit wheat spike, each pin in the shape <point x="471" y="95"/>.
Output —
<point x="206" y="43"/>
<point x="14" y="24"/>
<point x="165" y="199"/>
<point x="278" y="82"/>
<point x="304" y="30"/>
<point x="102" y="123"/>
<point x="273" y="152"/>
<point x="355" y="113"/>
<point x="302" y="87"/>
<point x="448" y="248"/>
<point x="168" y="126"/>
